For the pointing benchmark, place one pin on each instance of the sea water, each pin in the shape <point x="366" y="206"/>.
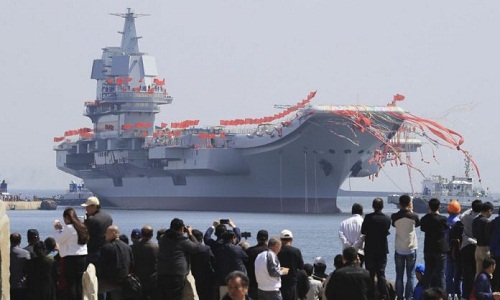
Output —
<point x="314" y="235"/>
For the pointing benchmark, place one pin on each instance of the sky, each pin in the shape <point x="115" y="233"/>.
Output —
<point x="226" y="59"/>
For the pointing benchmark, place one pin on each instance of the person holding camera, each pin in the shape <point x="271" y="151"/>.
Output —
<point x="174" y="259"/>
<point x="219" y="226"/>
<point x="228" y="257"/>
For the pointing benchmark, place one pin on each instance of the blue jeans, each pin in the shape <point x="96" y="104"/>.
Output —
<point x="402" y="262"/>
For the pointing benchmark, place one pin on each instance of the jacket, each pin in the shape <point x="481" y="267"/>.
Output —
<point x="375" y="228"/>
<point x="405" y="222"/>
<point x="173" y="257"/>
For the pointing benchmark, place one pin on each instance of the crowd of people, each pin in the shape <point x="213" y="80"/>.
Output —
<point x="460" y="255"/>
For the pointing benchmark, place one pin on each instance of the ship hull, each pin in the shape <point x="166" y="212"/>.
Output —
<point x="241" y="204"/>
<point x="297" y="173"/>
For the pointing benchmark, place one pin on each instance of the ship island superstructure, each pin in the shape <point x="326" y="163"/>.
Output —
<point x="294" y="161"/>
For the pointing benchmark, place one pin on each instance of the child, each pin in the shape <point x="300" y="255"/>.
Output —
<point x="419" y="288"/>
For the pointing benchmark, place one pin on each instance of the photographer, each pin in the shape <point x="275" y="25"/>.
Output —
<point x="174" y="259"/>
<point x="228" y="257"/>
<point x="219" y="226"/>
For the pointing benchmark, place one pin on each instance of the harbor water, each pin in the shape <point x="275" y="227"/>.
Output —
<point x="315" y="235"/>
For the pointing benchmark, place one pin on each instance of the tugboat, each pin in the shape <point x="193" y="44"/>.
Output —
<point x="76" y="195"/>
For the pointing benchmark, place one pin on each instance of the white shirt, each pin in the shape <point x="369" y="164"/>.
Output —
<point x="315" y="290"/>
<point x="267" y="271"/>
<point x="67" y="241"/>
<point x="350" y="233"/>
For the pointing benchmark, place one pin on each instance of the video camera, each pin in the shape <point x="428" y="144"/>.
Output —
<point x="246" y="234"/>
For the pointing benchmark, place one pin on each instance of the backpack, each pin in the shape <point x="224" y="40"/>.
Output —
<point x="455" y="240"/>
<point x="132" y="288"/>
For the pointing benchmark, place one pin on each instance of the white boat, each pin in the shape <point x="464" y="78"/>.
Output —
<point x="75" y="195"/>
<point x="460" y="188"/>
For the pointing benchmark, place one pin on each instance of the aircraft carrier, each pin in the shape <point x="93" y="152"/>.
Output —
<point x="294" y="161"/>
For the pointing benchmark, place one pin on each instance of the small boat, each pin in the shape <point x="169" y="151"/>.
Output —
<point x="48" y="204"/>
<point x="75" y="195"/>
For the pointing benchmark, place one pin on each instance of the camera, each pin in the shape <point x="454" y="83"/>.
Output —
<point x="246" y="234"/>
<point x="224" y="221"/>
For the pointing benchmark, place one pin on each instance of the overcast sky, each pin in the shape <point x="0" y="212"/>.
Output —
<point x="236" y="58"/>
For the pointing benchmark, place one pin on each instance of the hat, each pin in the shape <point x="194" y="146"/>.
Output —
<point x="91" y="201"/>
<point x="136" y="234"/>
<point x="454" y="207"/>
<point x="420" y="268"/>
<point x="32" y="233"/>
<point x="286" y="234"/>
<point x="176" y="224"/>
<point x="262" y="235"/>
<point x="319" y="260"/>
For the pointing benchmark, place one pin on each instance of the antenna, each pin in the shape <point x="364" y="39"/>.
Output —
<point x="467" y="165"/>
<point x="129" y="13"/>
<point x="282" y="106"/>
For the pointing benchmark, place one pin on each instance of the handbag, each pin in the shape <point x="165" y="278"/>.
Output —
<point x="131" y="287"/>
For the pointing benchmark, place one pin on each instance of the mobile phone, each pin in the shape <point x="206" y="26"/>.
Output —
<point x="224" y="221"/>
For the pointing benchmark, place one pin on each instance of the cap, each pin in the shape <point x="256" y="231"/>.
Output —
<point x="136" y="234"/>
<point x="32" y="233"/>
<point x="454" y="207"/>
<point x="420" y="268"/>
<point x="262" y="235"/>
<point x="91" y="201"/>
<point x="286" y="234"/>
<point x="319" y="260"/>
<point x="176" y="224"/>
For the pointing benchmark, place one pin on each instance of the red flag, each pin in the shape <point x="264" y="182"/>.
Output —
<point x="119" y="80"/>
<point x="163" y="125"/>
<point x="109" y="80"/>
<point x="399" y="97"/>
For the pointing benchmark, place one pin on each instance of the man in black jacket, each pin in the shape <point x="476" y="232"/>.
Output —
<point x="436" y="246"/>
<point x="349" y="282"/>
<point x="146" y="261"/>
<point x="97" y="222"/>
<point x="115" y="262"/>
<point x="252" y="252"/>
<point x="376" y="229"/>
<point x="228" y="257"/>
<point x="174" y="260"/>
<point x="481" y="231"/>
<point x="289" y="257"/>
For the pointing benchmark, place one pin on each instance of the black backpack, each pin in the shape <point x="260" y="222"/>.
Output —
<point x="455" y="240"/>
